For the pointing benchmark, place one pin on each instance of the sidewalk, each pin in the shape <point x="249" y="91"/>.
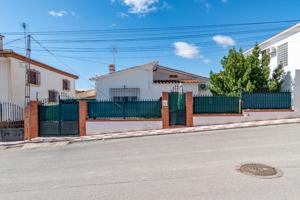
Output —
<point x="150" y="132"/>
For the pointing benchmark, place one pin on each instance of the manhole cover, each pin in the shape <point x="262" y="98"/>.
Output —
<point x="260" y="170"/>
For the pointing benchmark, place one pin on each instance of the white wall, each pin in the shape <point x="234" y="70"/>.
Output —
<point x="247" y="117"/>
<point x="4" y="91"/>
<point x="139" y="78"/>
<point x="16" y="82"/>
<point x="101" y="127"/>
<point x="296" y="91"/>
<point x="293" y="53"/>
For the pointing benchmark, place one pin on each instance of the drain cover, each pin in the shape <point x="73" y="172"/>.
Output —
<point x="260" y="170"/>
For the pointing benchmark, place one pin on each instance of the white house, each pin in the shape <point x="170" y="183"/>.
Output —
<point x="146" y="81"/>
<point x="283" y="49"/>
<point x="45" y="81"/>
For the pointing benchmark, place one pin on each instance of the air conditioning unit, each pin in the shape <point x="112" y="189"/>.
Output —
<point x="203" y="86"/>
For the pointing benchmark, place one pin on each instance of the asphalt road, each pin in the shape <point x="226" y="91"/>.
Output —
<point x="184" y="166"/>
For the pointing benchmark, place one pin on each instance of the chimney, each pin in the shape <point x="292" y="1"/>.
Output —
<point x="111" y="68"/>
<point x="1" y="42"/>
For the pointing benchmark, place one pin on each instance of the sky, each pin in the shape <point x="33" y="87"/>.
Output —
<point x="81" y="36"/>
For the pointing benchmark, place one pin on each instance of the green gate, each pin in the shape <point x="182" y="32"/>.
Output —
<point x="60" y="119"/>
<point x="177" y="105"/>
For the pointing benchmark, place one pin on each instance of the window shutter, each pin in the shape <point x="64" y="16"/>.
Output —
<point x="38" y="76"/>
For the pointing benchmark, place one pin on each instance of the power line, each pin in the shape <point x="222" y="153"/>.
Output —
<point x="13" y="41"/>
<point x="145" y="48"/>
<point x="59" y="60"/>
<point x="155" y="28"/>
<point x="158" y="38"/>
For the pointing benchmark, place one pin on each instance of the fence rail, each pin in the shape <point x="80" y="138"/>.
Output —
<point x="126" y="109"/>
<point x="279" y="100"/>
<point x="216" y="105"/>
<point x="11" y="115"/>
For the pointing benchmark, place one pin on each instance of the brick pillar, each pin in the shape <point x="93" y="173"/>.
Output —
<point x="165" y="110"/>
<point x="189" y="109"/>
<point x="31" y="121"/>
<point x="82" y="117"/>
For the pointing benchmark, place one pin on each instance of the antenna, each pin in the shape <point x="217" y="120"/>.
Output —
<point x="114" y="51"/>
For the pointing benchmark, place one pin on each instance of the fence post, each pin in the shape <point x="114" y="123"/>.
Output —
<point x="189" y="109"/>
<point x="31" y="121"/>
<point x="82" y="117"/>
<point x="240" y="105"/>
<point x="165" y="110"/>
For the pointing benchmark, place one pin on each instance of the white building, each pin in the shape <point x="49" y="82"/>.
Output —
<point x="45" y="81"/>
<point x="146" y="82"/>
<point x="283" y="49"/>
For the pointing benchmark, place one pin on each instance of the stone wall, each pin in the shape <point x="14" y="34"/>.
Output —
<point x="11" y="134"/>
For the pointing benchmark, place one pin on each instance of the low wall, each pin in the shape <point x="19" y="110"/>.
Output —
<point x="11" y="134"/>
<point x="100" y="127"/>
<point x="248" y="116"/>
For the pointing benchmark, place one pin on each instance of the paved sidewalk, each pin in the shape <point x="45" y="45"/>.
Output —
<point x="151" y="132"/>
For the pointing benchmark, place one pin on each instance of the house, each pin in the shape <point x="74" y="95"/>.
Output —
<point x="86" y="94"/>
<point x="146" y="81"/>
<point x="283" y="49"/>
<point x="46" y="82"/>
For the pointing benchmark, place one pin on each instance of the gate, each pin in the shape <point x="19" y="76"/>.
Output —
<point x="177" y="105"/>
<point x="60" y="119"/>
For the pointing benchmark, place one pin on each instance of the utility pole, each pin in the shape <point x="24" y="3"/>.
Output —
<point x="27" y="39"/>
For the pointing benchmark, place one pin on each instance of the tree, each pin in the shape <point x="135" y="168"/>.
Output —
<point x="249" y="73"/>
<point x="276" y="82"/>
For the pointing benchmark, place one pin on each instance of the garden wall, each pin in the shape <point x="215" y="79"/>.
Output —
<point x="99" y="127"/>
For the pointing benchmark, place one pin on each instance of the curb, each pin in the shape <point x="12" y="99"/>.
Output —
<point x="174" y="131"/>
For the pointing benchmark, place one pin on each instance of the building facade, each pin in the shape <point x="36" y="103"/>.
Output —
<point x="283" y="49"/>
<point x="147" y="81"/>
<point x="46" y="82"/>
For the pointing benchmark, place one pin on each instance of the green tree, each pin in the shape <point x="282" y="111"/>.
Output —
<point x="276" y="82"/>
<point x="248" y="73"/>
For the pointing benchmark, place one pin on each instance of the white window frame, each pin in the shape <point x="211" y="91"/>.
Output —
<point x="282" y="55"/>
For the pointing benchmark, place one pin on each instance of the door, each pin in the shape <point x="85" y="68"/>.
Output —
<point x="177" y="106"/>
<point x="60" y="119"/>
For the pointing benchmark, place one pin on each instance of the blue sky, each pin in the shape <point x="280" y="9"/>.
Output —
<point x="198" y="49"/>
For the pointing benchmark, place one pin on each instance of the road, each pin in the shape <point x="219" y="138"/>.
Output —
<point x="171" y="167"/>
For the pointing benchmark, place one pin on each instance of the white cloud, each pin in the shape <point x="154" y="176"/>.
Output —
<point x="141" y="6"/>
<point x="206" y="61"/>
<point x="122" y="14"/>
<point x="59" y="13"/>
<point x="223" y="40"/>
<point x="186" y="50"/>
<point x="206" y="4"/>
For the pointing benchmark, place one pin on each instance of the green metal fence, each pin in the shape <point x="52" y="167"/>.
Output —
<point x="279" y="100"/>
<point x="127" y="109"/>
<point x="216" y="104"/>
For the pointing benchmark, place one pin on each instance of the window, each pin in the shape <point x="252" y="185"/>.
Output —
<point x="124" y="94"/>
<point x="52" y="96"/>
<point x="66" y="84"/>
<point x="123" y="98"/>
<point x="282" y="57"/>
<point x="33" y="77"/>
<point x="173" y="76"/>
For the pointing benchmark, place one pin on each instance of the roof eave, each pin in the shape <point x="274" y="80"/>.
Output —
<point x="15" y="55"/>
